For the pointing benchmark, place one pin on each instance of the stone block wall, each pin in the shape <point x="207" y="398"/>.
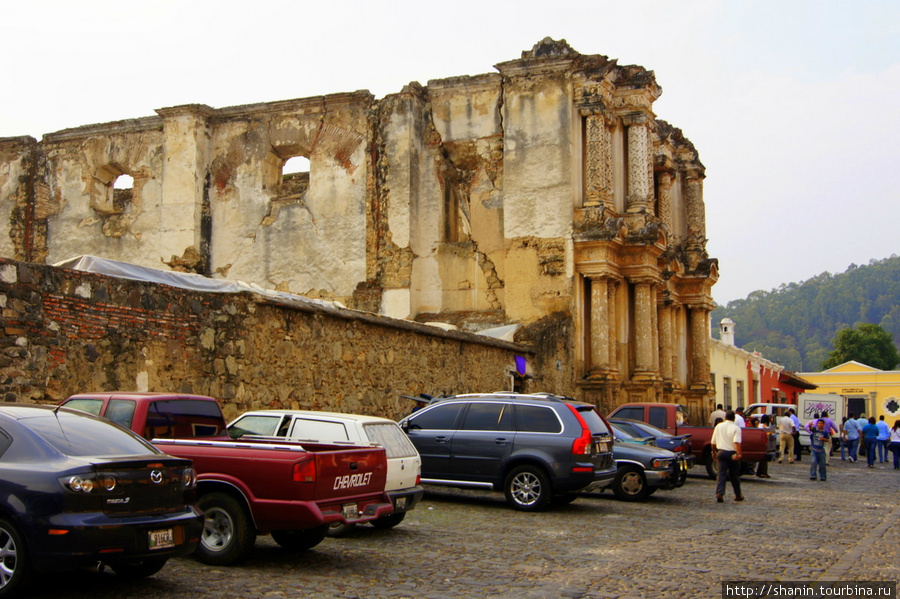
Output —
<point x="66" y="332"/>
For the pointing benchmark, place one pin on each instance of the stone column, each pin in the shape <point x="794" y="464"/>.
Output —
<point x="644" y="335"/>
<point x="598" y="179"/>
<point x="186" y="146"/>
<point x="664" y="198"/>
<point x="640" y="164"/>
<point x="600" y="316"/>
<point x="699" y="350"/>
<point x="695" y="209"/>
<point x="666" y="343"/>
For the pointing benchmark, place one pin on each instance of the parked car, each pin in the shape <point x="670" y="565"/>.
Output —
<point x="643" y="469"/>
<point x="77" y="490"/>
<point x="758" y="444"/>
<point x="293" y="492"/>
<point x="155" y="415"/>
<point x="535" y="448"/>
<point x="664" y="440"/>
<point x="404" y="464"/>
<point x="625" y="436"/>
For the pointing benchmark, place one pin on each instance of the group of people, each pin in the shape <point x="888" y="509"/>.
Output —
<point x="873" y="438"/>
<point x="876" y="438"/>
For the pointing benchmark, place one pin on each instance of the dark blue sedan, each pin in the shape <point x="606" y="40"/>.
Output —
<point x="636" y="428"/>
<point x="77" y="490"/>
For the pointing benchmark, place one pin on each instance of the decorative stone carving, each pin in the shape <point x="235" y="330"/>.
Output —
<point x="640" y="169"/>
<point x="598" y="161"/>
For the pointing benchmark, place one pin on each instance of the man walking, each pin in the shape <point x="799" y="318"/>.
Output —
<point x="798" y="449"/>
<point x="717" y="414"/>
<point x="884" y="435"/>
<point x="852" y="428"/>
<point x="726" y="449"/>
<point x="786" y="430"/>
<point x="818" y="439"/>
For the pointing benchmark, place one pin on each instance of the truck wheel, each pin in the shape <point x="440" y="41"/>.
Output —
<point x="712" y="466"/>
<point x="138" y="570"/>
<point x="527" y="489"/>
<point x="228" y="533"/>
<point x="630" y="484"/>
<point x="300" y="540"/>
<point x="340" y="529"/>
<point x="15" y="567"/>
<point x="389" y="521"/>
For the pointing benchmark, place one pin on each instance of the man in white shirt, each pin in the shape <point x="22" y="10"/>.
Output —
<point x="786" y="439"/>
<point x="716" y="414"/>
<point x="739" y="417"/>
<point x="726" y="449"/>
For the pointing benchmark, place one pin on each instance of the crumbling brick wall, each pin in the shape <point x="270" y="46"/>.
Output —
<point x="66" y="331"/>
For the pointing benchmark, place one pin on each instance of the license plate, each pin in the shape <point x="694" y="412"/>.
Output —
<point x="350" y="511"/>
<point x="161" y="539"/>
<point x="400" y="504"/>
<point x="601" y="448"/>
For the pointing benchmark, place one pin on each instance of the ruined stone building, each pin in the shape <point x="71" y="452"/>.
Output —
<point x="546" y="194"/>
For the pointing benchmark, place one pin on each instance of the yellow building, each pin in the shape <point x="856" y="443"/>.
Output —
<point x="740" y="377"/>
<point x="879" y="389"/>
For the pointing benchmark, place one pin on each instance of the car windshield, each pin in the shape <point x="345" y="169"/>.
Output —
<point x="648" y="430"/>
<point x="390" y="436"/>
<point x="620" y="433"/>
<point x="78" y="435"/>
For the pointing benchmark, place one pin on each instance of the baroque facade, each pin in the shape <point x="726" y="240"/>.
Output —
<point x="546" y="195"/>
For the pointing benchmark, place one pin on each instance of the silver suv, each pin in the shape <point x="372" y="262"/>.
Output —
<point x="535" y="448"/>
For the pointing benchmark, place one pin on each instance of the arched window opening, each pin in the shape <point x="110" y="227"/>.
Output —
<point x="122" y="193"/>
<point x="295" y="177"/>
<point x="124" y="182"/>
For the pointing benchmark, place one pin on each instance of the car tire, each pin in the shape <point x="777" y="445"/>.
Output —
<point x="527" y="488"/>
<point x="389" y="521"/>
<point x="228" y="532"/>
<point x="630" y="484"/>
<point x="300" y="540"/>
<point x="15" y="566"/>
<point x="138" y="570"/>
<point x="340" y="529"/>
<point x="712" y="466"/>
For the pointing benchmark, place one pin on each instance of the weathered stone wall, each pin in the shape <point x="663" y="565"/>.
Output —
<point x="66" y="332"/>
<point x="547" y="195"/>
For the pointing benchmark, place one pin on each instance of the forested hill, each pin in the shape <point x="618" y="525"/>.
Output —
<point x="795" y="324"/>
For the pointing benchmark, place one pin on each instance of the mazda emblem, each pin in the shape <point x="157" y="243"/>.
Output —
<point x="156" y="477"/>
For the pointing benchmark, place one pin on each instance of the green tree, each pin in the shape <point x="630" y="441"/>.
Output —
<point x="869" y="344"/>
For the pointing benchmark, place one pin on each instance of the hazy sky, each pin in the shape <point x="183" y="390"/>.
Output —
<point x="793" y="105"/>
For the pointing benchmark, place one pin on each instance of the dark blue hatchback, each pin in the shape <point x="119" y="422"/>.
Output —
<point x="77" y="490"/>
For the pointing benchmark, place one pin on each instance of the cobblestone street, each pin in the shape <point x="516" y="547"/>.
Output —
<point x="679" y="543"/>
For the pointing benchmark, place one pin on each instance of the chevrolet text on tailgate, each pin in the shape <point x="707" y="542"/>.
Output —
<point x="290" y="490"/>
<point x="293" y="491"/>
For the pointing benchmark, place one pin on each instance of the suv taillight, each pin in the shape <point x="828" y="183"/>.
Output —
<point x="583" y="444"/>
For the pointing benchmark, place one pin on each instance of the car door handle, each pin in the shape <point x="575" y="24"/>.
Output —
<point x="442" y="439"/>
<point x="501" y="441"/>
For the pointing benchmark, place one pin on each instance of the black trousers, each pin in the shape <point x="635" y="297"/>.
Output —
<point x="729" y="470"/>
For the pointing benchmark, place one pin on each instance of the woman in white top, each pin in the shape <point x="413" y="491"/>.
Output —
<point x="894" y="444"/>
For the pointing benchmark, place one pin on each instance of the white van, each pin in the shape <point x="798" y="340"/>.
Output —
<point x="772" y="409"/>
<point x="404" y="464"/>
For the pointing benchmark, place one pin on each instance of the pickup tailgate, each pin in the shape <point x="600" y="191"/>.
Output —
<point x="292" y="485"/>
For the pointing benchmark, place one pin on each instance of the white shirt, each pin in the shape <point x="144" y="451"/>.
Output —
<point x="716" y="414"/>
<point x="785" y="425"/>
<point x="739" y="420"/>
<point x="895" y="435"/>
<point x="725" y="435"/>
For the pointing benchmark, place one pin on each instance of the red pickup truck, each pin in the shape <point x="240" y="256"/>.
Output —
<point x="293" y="491"/>
<point x="757" y="444"/>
